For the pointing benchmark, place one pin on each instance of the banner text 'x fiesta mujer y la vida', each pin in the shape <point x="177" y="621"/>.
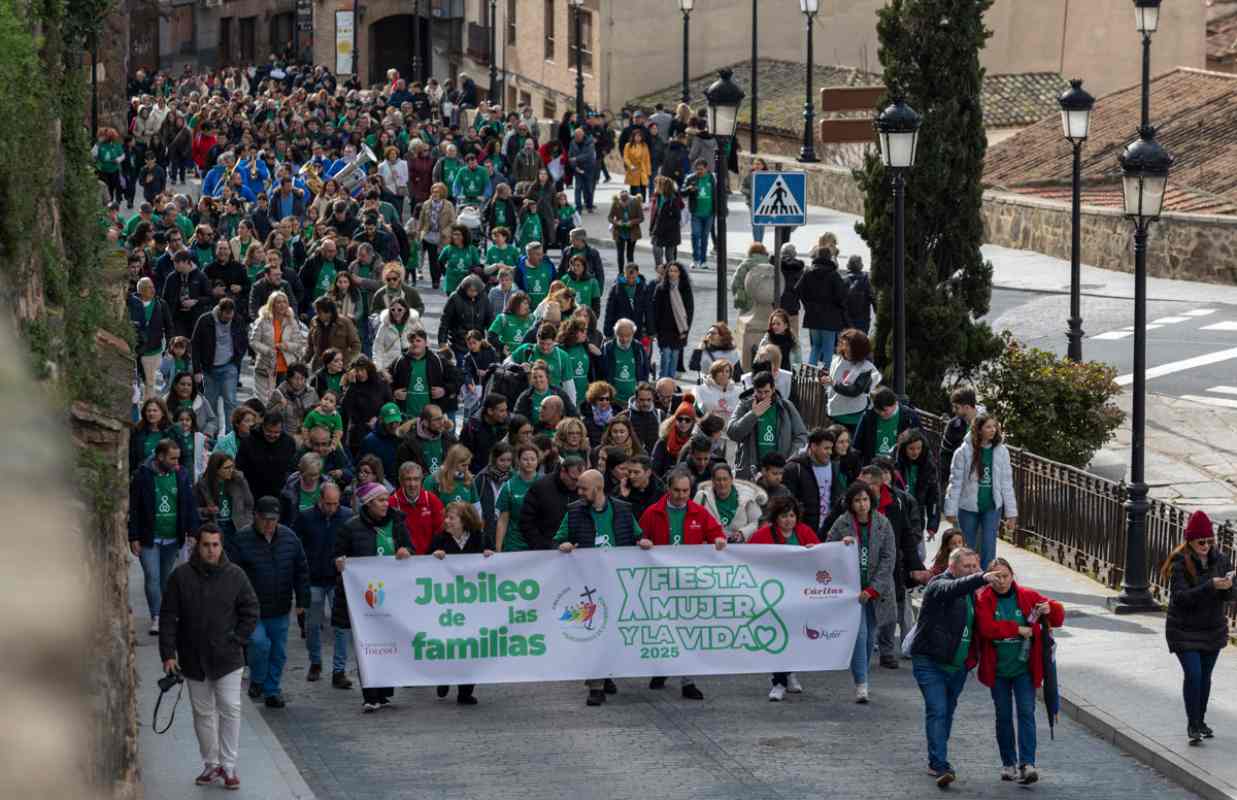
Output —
<point x="603" y="613"/>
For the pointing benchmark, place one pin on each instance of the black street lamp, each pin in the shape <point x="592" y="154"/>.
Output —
<point x="686" y="7"/>
<point x="1144" y="172"/>
<point x="578" y="5"/>
<point x="898" y="130"/>
<point x="1076" y="105"/>
<point x="1146" y="21"/>
<point x="724" y="98"/>
<point x="807" y="153"/>
<point x="495" y="97"/>
<point x="755" y="82"/>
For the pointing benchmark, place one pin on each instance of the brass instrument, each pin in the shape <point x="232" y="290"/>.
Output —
<point x="352" y="175"/>
<point x="253" y="166"/>
<point x="311" y="173"/>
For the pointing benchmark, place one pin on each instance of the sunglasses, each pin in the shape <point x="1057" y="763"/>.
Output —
<point x="684" y="419"/>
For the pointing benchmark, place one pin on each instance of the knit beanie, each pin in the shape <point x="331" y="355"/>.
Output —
<point x="370" y="491"/>
<point x="1198" y="527"/>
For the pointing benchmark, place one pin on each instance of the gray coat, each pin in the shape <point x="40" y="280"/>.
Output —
<point x="791" y="433"/>
<point x="882" y="554"/>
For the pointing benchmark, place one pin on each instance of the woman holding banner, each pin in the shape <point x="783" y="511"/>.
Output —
<point x="462" y="533"/>
<point x="376" y="530"/>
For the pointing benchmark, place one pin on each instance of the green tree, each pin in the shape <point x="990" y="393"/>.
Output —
<point x="930" y="54"/>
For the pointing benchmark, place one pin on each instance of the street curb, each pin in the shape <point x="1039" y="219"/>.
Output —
<point x="278" y="756"/>
<point x="1145" y="749"/>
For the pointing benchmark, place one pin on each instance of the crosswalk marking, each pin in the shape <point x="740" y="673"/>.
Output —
<point x="1170" y="320"/>
<point x="1221" y="326"/>
<point x="1111" y="335"/>
<point x="1220" y="402"/>
<point x="1183" y="365"/>
<point x="1223" y="389"/>
<point x="1199" y="312"/>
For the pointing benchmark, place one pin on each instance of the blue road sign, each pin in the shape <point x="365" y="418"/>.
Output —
<point x="779" y="198"/>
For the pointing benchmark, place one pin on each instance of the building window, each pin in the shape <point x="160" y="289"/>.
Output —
<point x="225" y="41"/>
<point x="526" y="100"/>
<point x="549" y="30"/>
<point x="511" y="4"/>
<point x="249" y="40"/>
<point x="586" y="35"/>
<point x="549" y="109"/>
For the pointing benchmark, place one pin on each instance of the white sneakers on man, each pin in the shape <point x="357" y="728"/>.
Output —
<point x="861" y="693"/>
<point x="792" y="684"/>
<point x="777" y="693"/>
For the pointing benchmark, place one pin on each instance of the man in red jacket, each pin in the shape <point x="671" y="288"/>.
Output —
<point x="422" y="510"/>
<point x="677" y="519"/>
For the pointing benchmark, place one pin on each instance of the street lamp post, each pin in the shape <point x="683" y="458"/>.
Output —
<point x="755" y="80"/>
<point x="898" y="130"/>
<point x="1076" y="105"/>
<point x="495" y="97"/>
<point x="686" y="7"/>
<point x="724" y="98"/>
<point x="807" y="153"/>
<point x="1144" y="175"/>
<point x="578" y="5"/>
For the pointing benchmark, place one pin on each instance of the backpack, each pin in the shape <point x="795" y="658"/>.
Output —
<point x="509" y="381"/>
<point x="858" y="297"/>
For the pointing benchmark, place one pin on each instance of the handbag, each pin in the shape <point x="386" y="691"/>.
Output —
<point x="694" y="360"/>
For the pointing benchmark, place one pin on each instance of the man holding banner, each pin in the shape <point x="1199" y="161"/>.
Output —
<point x="595" y="520"/>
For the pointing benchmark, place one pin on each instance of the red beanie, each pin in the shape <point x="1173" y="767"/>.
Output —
<point x="1199" y="527"/>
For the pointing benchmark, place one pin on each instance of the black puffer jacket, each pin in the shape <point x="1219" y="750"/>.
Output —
<point x="823" y="294"/>
<point x="1196" y="620"/>
<point x="792" y="272"/>
<point x="943" y="616"/>
<point x="276" y="569"/>
<point x="461" y="315"/>
<point x="544" y="507"/>
<point x="357" y="538"/>
<point x="209" y="612"/>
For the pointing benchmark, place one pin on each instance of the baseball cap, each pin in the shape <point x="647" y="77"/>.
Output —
<point x="390" y="413"/>
<point x="267" y="508"/>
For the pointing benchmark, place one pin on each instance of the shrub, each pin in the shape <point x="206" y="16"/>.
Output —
<point x="1056" y="408"/>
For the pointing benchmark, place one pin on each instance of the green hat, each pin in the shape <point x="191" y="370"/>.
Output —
<point x="390" y="413"/>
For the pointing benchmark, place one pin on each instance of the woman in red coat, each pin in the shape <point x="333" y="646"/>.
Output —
<point x="784" y="528"/>
<point x="1006" y="617"/>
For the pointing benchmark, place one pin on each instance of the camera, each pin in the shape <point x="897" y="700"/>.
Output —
<point x="170" y="680"/>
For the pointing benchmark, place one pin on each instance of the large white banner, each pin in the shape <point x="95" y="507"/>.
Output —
<point x="597" y="613"/>
<point x="344" y="23"/>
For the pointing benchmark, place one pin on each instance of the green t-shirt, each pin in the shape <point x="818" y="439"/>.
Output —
<point x="108" y="153"/>
<point x="461" y="492"/>
<point x="556" y="360"/>
<point x="703" y="207"/>
<point x="886" y="435"/>
<point x="1009" y="662"/>
<point x="793" y="539"/>
<point x="865" y="557"/>
<point x="603" y="525"/>
<point x="586" y="290"/>
<point x="508" y="255"/>
<point x="984" y="497"/>
<point x="432" y="450"/>
<point x="578" y="362"/>
<point x="225" y="506"/>
<point x="676" y="515"/>
<point x="964" y="646"/>
<point x="912" y="478"/>
<point x="150" y="443"/>
<point x="510" y="329"/>
<point x="537" y="282"/>
<point x="566" y="213"/>
<point x="450" y="168"/>
<point x="511" y="500"/>
<point x="334" y="382"/>
<point x="385" y="543"/>
<point x="418" y="388"/>
<point x="766" y="432"/>
<point x="501" y="219"/>
<point x="326" y="279"/>
<point x="472" y="183"/>
<point x="529" y="231"/>
<point x="726" y="509"/>
<point x="456" y="262"/>
<point x="165" y="507"/>
<point x="316" y="419"/>
<point x="307" y="500"/>
<point x="534" y="411"/>
<point x="624" y="374"/>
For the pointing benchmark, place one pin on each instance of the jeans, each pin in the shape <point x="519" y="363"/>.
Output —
<point x="940" y="691"/>
<point x="1196" y="687"/>
<point x="181" y="166"/>
<point x="221" y="382"/>
<point x="700" y="237"/>
<point x="624" y="251"/>
<point x="887" y="636"/>
<point x="150" y="371"/>
<point x="758" y="233"/>
<point x="824" y="342"/>
<point x="267" y="653"/>
<point x="157" y="564"/>
<point x="667" y="361"/>
<point x="1006" y="692"/>
<point x="666" y="254"/>
<point x="321" y="596"/>
<point x="862" y="653"/>
<point x="372" y="694"/>
<point x="585" y="183"/>
<point x="980" y="528"/>
<point x="217" y="718"/>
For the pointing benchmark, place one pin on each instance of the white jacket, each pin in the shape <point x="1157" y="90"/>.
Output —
<point x="746" y="516"/>
<point x="845" y="373"/>
<point x="711" y="398"/>
<point x="963" y="492"/>
<point x="262" y="340"/>
<point x="388" y="344"/>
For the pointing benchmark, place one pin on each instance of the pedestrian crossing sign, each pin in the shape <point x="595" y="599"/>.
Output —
<point x="779" y="198"/>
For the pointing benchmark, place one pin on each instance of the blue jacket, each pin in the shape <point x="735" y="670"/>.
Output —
<point x="317" y="535"/>
<point x="142" y="505"/>
<point x="382" y="444"/>
<point x="521" y="271"/>
<point x="277" y="569"/>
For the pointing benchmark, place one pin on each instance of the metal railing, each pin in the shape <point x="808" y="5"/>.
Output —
<point x="1064" y="513"/>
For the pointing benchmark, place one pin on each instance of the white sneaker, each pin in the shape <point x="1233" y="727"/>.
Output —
<point x="154" y="626"/>
<point x="369" y="708"/>
<point x="1029" y="775"/>
<point x="1009" y="773"/>
<point x="861" y="693"/>
<point x="777" y="693"/>
<point x="792" y="684"/>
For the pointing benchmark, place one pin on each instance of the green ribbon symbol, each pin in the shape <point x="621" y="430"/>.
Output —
<point x="767" y="630"/>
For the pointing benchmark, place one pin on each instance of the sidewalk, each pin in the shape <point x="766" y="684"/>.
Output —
<point x="1118" y="679"/>
<point x="169" y="763"/>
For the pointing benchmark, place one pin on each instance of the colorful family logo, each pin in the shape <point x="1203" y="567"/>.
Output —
<point x="581" y="616"/>
<point x="375" y="596"/>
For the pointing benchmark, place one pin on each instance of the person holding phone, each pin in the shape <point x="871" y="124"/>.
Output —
<point x="1200" y="582"/>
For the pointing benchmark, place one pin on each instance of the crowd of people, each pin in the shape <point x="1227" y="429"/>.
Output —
<point x="546" y="415"/>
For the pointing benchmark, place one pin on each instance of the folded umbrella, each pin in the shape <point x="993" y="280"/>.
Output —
<point x="1052" y="692"/>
